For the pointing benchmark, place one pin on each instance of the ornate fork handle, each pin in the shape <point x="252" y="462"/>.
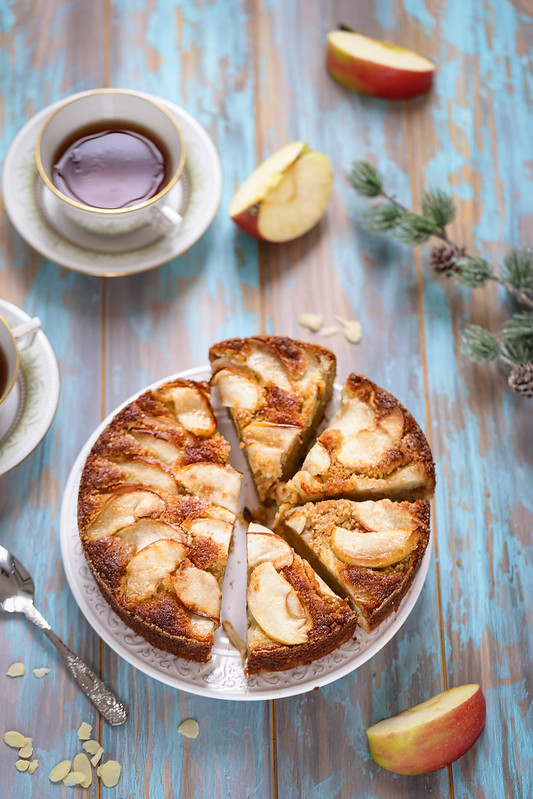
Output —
<point x="105" y="701"/>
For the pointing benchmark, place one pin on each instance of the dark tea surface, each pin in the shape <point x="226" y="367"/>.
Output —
<point x="3" y="372"/>
<point x="113" y="168"/>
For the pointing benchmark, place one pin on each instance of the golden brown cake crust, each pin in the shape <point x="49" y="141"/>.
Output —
<point x="375" y="592"/>
<point x="133" y="439"/>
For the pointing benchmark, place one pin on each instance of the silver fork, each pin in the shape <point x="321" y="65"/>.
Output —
<point x="16" y="596"/>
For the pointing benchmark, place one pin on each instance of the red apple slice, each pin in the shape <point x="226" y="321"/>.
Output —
<point x="431" y="735"/>
<point x="381" y="69"/>
<point x="285" y="196"/>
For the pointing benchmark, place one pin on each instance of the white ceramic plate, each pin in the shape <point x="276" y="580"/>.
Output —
<point x="223" y="676"/>
<point x="197" y="198"/>
<point x="34" y="396"/>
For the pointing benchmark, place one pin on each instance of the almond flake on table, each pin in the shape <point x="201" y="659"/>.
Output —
<point x="328" y="331"/>
<point x="60" y="771"/>
<point x="22" y="765"/>
<point x="95" y="759"/>
<point x="15" y="739"/>
<point x="84" y="731"/>
<point x="109" y="773"/>
<point x="313" y="321"/>
<point x="352" y="330"/>
<point x="73" y="778"/>
<point x="33" y="765"/>
<point x="27" y="749"/>
<point x="42" y="672"/>
<point x="81" y="764"/>
<point x="189" y="728"/>
<point x="16" y="669"/>
<point x="91" y="746"/>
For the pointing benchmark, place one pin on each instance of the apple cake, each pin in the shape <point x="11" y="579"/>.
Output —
<point x="293" y="616"/>
<point x="372" y="449"/>
<point x="156" y="509"/>
<point x="276" y="390"/>
<point x="368" y="551"/>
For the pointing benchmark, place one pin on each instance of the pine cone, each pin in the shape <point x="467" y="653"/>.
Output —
<point x="443" y="259"/>
<point x="521" y="379"/>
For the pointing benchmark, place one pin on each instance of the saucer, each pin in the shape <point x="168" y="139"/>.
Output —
<point x="197" y="199"/>
<point x="33" y="400"/>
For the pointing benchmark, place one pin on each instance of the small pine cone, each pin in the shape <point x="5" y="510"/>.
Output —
<point x="521" y="379"/>
<point x="443" y="259"/>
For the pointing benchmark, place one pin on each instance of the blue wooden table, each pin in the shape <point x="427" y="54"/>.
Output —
<point x="252" y="73"/>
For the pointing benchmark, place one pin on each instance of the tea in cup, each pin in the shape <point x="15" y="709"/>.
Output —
<point x="110" y="159"/>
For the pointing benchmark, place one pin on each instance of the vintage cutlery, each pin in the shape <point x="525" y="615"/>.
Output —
<point x="16" y="596"/>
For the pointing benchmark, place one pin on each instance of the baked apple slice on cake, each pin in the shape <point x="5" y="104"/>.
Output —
<point x="156" y="511"/>
<point x="276" y="390"/>
<point x="368" y="551"/>
<point x="294" y="618"/>
<point x="372" y="449"/>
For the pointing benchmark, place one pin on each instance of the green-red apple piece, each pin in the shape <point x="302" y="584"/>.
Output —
<point x="381" y="69"/>
<point x="431" y="735"/>
<point x="286" y="195"/>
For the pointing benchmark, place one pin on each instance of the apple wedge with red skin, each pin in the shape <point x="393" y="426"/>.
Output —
<point x="431" y="735"/>
<point x="285" y="196"/>
<point x="381" y="69"/>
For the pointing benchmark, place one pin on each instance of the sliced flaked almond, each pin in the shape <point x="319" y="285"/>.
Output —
<point x="22" y="765"/>
<point x="146" y="531"/>
<point x="109" y="773"/>
<point x="352" y="330"/>
<point x="91" y="746"/>
<point x="198" y="590"/>
<point x="375" y="550"/>
<point x="84" y="731"/>
<point x="149" y="567"/>
<point x="313" y="321"/>
<point x="16" y="669"/>
<point x="74" y="778"/>
<point x="317" y="460"/>
<point x="33" y="765"/>
<point x="237" y="389"/>
<point x="189" y="728"/>
<point x="81" y="764"/>
<point x="26" y="750"/>
<point x="328" y="331"/>
<point x="15" y="739"/>
<point x="190" y="407"/>
<point x="95" y="759"/>
<point x="213" y="482"/>
<point x="41" y="672"/>
<point x="60" y="771"/>
<point x="142" y="471"/>
<point x="282" y="619"/>
<point x="262" y="546"/>
<point x="123" y="509"/>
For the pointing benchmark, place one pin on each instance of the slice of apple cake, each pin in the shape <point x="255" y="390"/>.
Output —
<point x="372" y="449"/>
<point x="156" y="509"/>
<point x="293" y="616"/>
<point x="276" y="390"/>
<point x="368" y="551"/>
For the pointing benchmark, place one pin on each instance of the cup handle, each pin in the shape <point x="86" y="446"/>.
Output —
<point x="25" y="333"/>
<point x="166" y="218"/>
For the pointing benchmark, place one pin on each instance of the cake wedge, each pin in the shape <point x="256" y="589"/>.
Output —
<point x="367" y="551"/>
<point x="276" y="390"/>
<point x="294" y="618"/>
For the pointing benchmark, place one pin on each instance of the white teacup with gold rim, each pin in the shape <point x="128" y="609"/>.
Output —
<point x="13" y="340"/>
<point x="110" y="159"/>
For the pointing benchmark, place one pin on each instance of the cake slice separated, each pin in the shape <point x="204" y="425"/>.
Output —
<point x="156" y="510"/>
<point x="276" y="390"/>
<point x="294" y="618"/>
<point x="373" y="448"/>
<point x="368" y="551"/>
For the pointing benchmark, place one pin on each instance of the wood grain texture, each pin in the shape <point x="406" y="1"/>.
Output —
<point x="252" y="73"/>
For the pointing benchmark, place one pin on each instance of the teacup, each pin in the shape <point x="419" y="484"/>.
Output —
<point x="13" y="340"/>
<point x="102" y="144"/>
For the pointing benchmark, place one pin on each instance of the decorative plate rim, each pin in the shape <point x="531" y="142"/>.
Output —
<point x="225" y="665"/>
